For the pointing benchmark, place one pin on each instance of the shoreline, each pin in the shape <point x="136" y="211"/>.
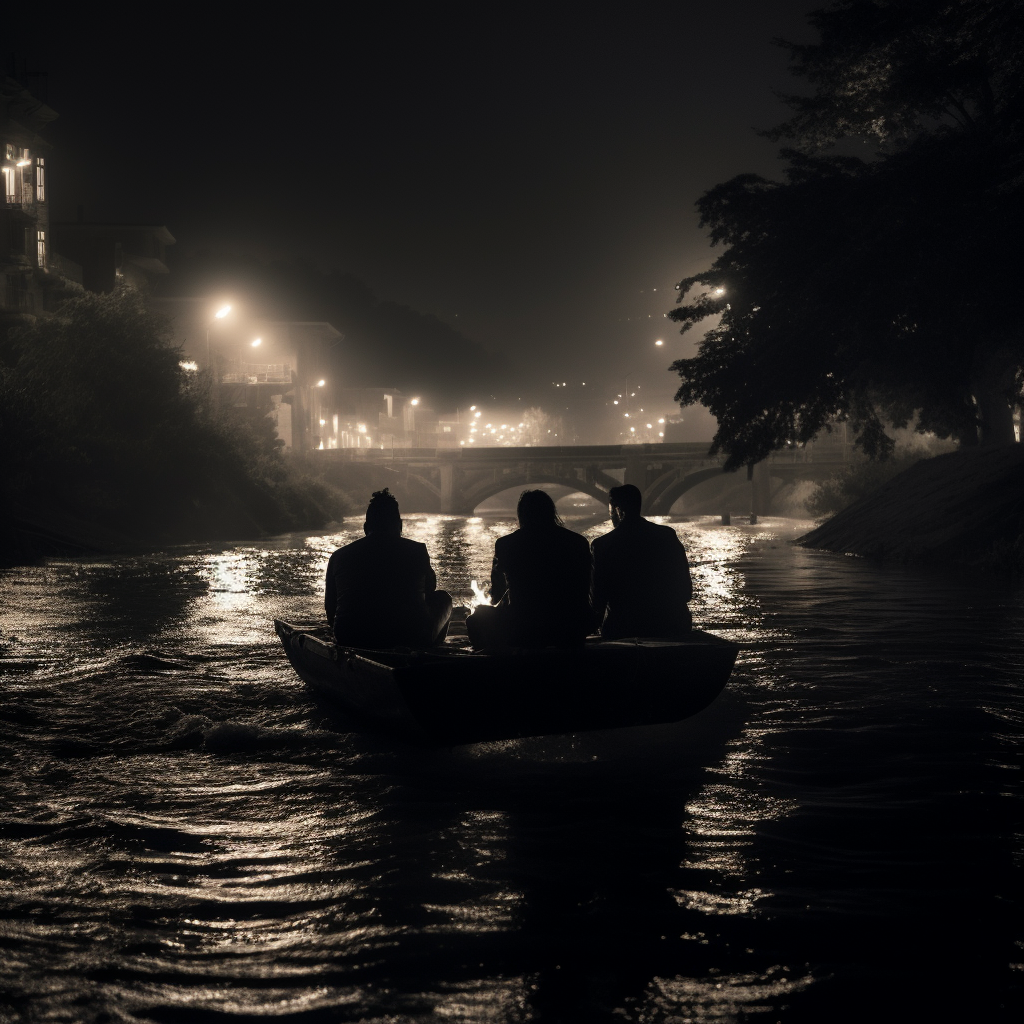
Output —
<point x="961" y="508"/>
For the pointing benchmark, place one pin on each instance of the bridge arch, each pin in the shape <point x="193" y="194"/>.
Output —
<point x="662" y="503"/>
<point x="473" y="496"/>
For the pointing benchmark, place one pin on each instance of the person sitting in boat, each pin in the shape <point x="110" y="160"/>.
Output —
<point x="381" y="590"/>
<point x="540" y="583"/>
<point x="642" y="579"/>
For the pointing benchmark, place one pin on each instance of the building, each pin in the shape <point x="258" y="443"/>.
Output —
<point x="261" y="367"/>
<point x="113" y="255"/>
<point x="33" y="277"/>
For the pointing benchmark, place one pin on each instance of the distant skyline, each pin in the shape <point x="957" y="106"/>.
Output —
<point x="530" y="182"/>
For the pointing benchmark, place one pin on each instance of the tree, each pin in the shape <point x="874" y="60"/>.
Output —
<point x="882" y="288"/>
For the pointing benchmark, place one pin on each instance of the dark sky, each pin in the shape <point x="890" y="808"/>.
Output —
<point x="528" y="177"/>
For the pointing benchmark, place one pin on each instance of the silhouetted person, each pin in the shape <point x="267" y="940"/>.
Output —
<point x="381" y="590"/>
<point x="641" y="575"/>
<point x="540" y="583"/>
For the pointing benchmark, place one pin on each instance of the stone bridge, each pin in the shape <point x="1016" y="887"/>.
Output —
<point x="458" y="480"/>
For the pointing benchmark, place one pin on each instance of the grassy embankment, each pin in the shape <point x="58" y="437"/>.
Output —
<point x="964" y="507"/>
<point x="111" y="445"/>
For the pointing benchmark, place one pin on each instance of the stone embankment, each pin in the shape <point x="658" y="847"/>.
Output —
<point x="963" y="507"/>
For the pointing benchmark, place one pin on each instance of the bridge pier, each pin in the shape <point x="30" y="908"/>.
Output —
<point x="760" y="489"/>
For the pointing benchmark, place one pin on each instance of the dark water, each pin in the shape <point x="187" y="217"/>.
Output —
<point x="187" y="836"/>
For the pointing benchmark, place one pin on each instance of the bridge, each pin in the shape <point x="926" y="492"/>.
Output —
<point x="458" y="480"/>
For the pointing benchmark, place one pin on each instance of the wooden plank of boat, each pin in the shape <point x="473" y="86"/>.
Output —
<point x="454" y="696"/>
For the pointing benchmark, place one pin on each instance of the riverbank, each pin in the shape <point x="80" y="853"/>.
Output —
<point x="217" y="511"/>
<point x="964" y="507"/>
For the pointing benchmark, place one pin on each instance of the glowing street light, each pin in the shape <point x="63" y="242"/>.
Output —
<point x="320" y="383"/>
<point x="659" y="342"/>
<point x="414" y="401"/>
<point x="257" y="342"/>
<point x="219" y="315"/>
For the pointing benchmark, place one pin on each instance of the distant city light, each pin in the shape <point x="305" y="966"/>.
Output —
<point x="320" y="383"/>
<point x="222" y="312"/>
<point x="649" y="425"/>
<point x="662" y="420"/>
<point x="360" y="427"/>
<point x="632" y="430"/>
<point x="323" y="423"/>
<point x="719" y="291"/>
<point x="414" y="401"/>
<point x="659" y="342"/>
<point x="472" y="407"/>
<point x="257" y="342"/>
<point x="615" y="401"/>
<point x="661" y="433"/>
<point x="189" y="364"/>
<point x="477" y="415"/>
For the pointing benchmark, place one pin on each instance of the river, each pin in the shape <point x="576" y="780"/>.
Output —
<point x="187" y="835"/>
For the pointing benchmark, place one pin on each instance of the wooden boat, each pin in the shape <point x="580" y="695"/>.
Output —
<point x="448" y="695"/>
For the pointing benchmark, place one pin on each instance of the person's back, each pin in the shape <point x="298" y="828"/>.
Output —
<point x="546" y="573"/>
<point x="381" y="590"/>
<point x="641" y="574"/>
<point x="540" y="582"/>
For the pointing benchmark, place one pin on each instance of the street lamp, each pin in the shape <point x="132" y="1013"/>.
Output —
<point x="257" y="342"/>
<point x="219" y="315"/>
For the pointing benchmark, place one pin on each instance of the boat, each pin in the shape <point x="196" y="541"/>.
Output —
<point x="450" y="695"/>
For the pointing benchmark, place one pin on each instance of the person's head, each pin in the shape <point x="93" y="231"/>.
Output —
<point x="536" y="509"/>
<point x="382" y="515"/>
<point x="624" y="503"/>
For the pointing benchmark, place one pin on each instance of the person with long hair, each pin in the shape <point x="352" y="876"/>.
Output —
<point x="540" y="583"/>
<point x="381" y="590"/>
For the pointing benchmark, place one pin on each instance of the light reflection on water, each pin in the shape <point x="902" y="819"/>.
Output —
<point x="185" y="830"/>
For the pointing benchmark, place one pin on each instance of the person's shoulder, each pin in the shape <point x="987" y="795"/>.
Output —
<point x="353" y="545"/>
<point x="572" y="537"/>
<point x="509" y="540"/>
<point x="412" y="547"/>
<point x="605" y="541"/>
<point x="347" y="552"/>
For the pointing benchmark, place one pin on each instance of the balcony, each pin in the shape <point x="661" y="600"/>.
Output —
<point x="257" y="373"/>
<point x="23" y="200"/>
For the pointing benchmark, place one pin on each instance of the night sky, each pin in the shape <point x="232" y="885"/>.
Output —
<point x="529" y="178"/>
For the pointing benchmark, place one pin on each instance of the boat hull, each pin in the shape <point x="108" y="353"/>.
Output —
<point x="452" y="696"/>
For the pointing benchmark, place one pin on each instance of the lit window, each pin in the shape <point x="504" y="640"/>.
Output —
<point x="40" y="180"/>
<point x="41" y="248"/>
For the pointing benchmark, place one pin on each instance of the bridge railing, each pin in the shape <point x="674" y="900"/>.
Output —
<point x="599" y="453"/>
<point x="515" y="454"/>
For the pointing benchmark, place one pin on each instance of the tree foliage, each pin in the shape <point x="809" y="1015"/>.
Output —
<point x="100" y="420"/>
<point x="873" y="289"/>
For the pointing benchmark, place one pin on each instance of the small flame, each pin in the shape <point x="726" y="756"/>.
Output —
<point x="479" y="596"/>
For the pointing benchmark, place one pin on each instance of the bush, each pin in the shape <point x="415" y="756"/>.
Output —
<point x="99" y="419"/>
<point x="843" y="489"/>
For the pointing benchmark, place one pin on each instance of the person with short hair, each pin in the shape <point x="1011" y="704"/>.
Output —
<point x="381" y="590"/>
<point x="642" y="582"/>
<point x="540" y="583"/>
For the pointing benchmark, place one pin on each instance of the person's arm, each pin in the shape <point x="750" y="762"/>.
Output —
<point x="599" y="587"/>
<point x="683" y="569"/>
<point x="330" y="592"/>
<point x="499" y="585"/>
<point x="429" y="576"/>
